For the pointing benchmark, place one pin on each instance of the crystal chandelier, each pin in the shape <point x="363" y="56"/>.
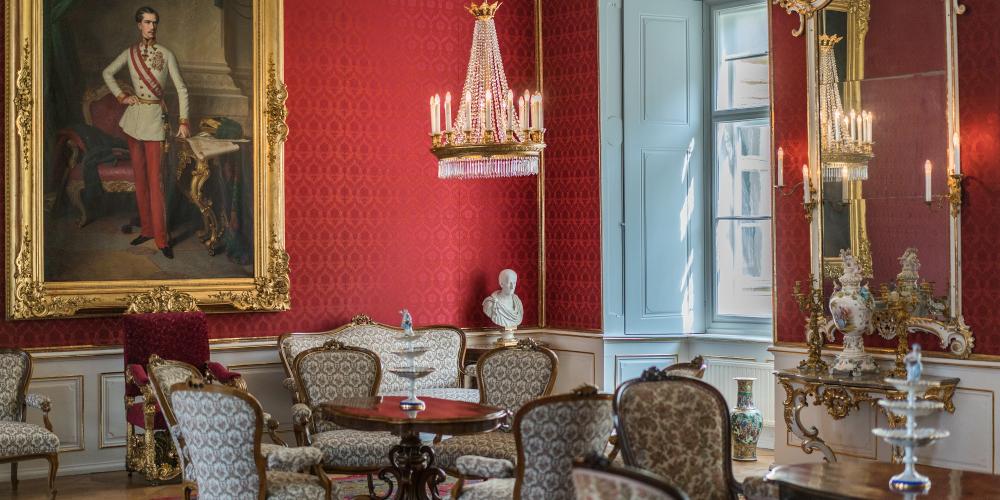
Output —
<point x="846" y="137"/>
<point x="489" y="137"/>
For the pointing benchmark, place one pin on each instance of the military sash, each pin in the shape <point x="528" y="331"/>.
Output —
<point x="145" y="74"/>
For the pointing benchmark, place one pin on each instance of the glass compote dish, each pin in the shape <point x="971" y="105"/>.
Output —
<point x="410" y="351"/>
<point x="911" y="437"/>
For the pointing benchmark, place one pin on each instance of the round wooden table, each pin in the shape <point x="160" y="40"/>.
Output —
<point x="870" y="481"/>
<point x="411" y="461"/>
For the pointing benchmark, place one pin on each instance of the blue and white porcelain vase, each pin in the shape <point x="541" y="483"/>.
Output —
<point x="745" y="421"/>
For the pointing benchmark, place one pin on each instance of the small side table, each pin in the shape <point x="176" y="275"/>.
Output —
<point x="412" y="462"/>
<point x="841" y="394"/>
<point x="870" y="481"/>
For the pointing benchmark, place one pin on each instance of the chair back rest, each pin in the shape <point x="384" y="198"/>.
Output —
<point x="336" y="371"/>
<point x="15" y="372"/>
<point x="102" y="109"/>
<point x="447" y="350"/>
<point x="550" y="433"/>
<point x="180" y="336"/>
<point x="221" y="428"/>
<point x="511" y="376"/>
<point x="694" y="368"/>
<point x="595" y="478"/>
<point x="677" y="427"/>
<point x="163" y="375"/>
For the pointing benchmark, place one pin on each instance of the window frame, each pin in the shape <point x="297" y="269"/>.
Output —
<point x="713" y="117"/>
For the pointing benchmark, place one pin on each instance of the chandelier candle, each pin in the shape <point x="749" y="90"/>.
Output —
<point x="957" y="154"/>
<point x="805" y="184"/>
<point x="497" y="140"/>
<point x="781" y="168"/>
<point x="927" y="181"/>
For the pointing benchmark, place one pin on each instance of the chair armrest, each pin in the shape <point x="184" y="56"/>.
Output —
<point x="271" y="424"/>
<point x="290" y="385"/>
<point x="757" y="488"/>
<point x="136" y="374"/>
<point x="220" y="372"/>
<point x="301" y="414"/>
<point x="294" y="459"/>
<point x="475" y="466"/>
<point x="42" y="403"/>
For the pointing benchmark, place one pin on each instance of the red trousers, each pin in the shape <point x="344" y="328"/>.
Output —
<point x="146" y="157"/>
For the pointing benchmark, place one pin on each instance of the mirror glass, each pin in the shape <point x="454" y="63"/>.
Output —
<point x="883" y="116"/>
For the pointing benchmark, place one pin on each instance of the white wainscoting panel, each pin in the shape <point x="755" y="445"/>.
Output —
<point x="112" y="419"/>
<point x="630" y="366"/>
<point x="66" y="393"/>
<point x="721" y="372"/>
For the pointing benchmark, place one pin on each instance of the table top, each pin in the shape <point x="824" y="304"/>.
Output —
<point x="866" y="380"/>
<point x="382" y="413"/>
<point x="870" y="480"/>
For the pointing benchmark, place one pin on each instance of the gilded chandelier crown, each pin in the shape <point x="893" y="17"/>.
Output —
<point x="484" y="11"/>
<point x="829" y="40"/>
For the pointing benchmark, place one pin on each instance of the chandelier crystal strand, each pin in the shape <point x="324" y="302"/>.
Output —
<point x="501" y="141"/>
<point x="846" y="135"/>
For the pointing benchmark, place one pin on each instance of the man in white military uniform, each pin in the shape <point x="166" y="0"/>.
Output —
<point x="149" y="65"/>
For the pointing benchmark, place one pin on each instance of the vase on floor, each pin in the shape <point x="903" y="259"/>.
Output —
<point x="745" y="422"/>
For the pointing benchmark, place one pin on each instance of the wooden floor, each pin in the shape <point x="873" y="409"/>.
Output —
<point x="118" y="486"/>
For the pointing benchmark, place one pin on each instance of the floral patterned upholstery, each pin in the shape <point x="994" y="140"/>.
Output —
<point x="471" y="465"/>
<point x="496" y="445"/>
<point x="454" y="394"/>
<point x="511" y="376"/>
<point x="756" y="488"/>
<point x="550" y="433"/>
<point x="293" y="459"/>
<point x="678" y="428"/>
<point x="596" y="478"/>
<point x="18" y="439"/>
<point x="494" y="489"/>
<point x="222" y="429"/>
<point x="13" y="371"/>
<point x="358" y="449"/>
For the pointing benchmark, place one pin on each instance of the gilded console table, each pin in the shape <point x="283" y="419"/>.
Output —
<point x="842" y="394"/>
<point x="200" y="151"/>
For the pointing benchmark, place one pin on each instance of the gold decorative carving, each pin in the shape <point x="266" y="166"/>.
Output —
<point x="804" y="8"/>
<point x="276" y="112"/>
<point x="811" y="303"/>
<point x="362" y="319"/>
<point x="955" y="194"/>
<point x="160" y="299"/>
<point x="861" y="10"/>
<point x="959" y="8"/>
<point x="117" y="186"/>
<point x="31" y="301"/>
<point x="24" y="104"/>
<point x="270" y="292"/>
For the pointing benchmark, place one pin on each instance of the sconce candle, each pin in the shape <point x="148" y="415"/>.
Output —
<point x="780" y="181"/>
<point x="447" y="112"/>
<point x="927" y="181"/>
<point x="805" y="184"/>
<point x="957" y="155"/>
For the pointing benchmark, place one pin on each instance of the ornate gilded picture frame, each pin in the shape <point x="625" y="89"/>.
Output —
<point x="144" y="156"/>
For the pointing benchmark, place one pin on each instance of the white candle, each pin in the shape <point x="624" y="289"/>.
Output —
<point x="522" y="114"/>
<point x="534" y="112"/>
<point x="468" y="111"/>
<point x="805" y="184"/>
<point x="871" y="127"/>
<point x="844" y="186"/>
<point x="447" y="112"/>
<point x="854" y="126"/>
<point x="836" y="125"/>
<point x="780" y="181"/>
<point x="432" y="115"/>
<point x="927" y="181"/>
<point x="510" y="109"/>
<point x="957" y="156"/>
<point x="482" y="118"/>
<point x="437" y="113"/>
<point x="541" y="113"/>
<point x="489" y="111"/>
<point x="860" y="127"/>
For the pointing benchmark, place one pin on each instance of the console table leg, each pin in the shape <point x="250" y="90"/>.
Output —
<point x="414" y="470"/>
<point x="795" y="401"/>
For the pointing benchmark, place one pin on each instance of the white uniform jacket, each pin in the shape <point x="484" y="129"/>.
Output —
<point x="144" y="121"/>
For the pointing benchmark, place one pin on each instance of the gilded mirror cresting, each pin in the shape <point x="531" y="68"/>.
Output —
<point x="851" y="194"/>
<point x="144" y="157"/>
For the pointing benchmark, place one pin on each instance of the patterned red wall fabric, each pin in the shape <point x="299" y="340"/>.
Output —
<point x="572" y="165"/>
<point x="979" y="97"/>
<point x="369" y="226"/>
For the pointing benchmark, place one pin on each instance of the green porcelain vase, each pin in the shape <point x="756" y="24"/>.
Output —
<point x="745" y="421"/>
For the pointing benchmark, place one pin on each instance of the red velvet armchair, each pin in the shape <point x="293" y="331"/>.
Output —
<point x="181" y="336"/>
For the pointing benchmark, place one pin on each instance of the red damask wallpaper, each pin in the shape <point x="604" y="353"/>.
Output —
<point x="370" y="228"/>
<point x="979" y="97"/>
<point x="572" y="165"/>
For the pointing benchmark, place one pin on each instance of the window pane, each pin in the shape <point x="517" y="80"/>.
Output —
<point x="743" y="162"/>
<point x="743" y="268"/>
<point x="741" y="57"/>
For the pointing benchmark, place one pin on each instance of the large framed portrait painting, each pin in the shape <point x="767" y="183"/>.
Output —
<point x="144" y="157"/>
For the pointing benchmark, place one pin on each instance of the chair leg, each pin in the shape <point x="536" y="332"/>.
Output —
<point x="457" y="490"/>
<point x="13" y="476"/>
<point x="53" y="468"/>
<point x="187" y="492"/>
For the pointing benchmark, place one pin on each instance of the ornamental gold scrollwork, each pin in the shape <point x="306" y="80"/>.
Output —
<point x="277" y="113"/>
<point x="861" y="9"/>
<point x="24" y="104"/>
<point x="160" y="299"/>
<point x="795" y="401"/>
<point x="839" y="401"/>
<point x="804" y="8"/>
<point x="31" y="300"/>
<point x="270" y="292"/>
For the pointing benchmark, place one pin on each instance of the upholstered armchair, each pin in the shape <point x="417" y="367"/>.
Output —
<point x="694" y="368"/>
<point x="164" y="374"/>
<point x="181" y="336"/>
<point x="549" y="433"/>
<point x="508" y="378"/>
<point x="221" y="428"/>
<point x="677" y="427"/>
<point x="336" y="371"/>
<point x="595" y="478"/>
<point x="20" y="440"/>
<point x="98" y="148"/>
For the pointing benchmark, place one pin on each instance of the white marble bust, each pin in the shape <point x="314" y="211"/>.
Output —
<point x="502" y="306"/>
